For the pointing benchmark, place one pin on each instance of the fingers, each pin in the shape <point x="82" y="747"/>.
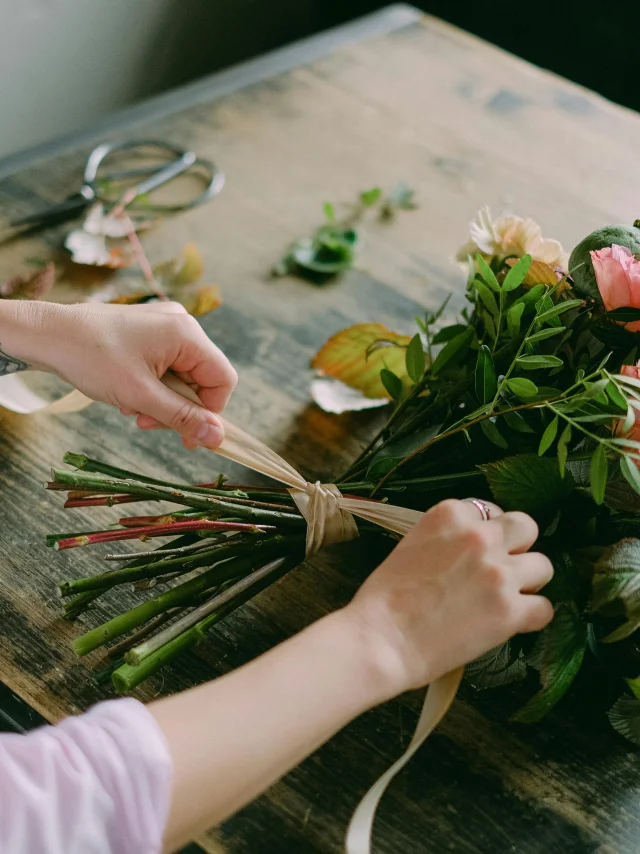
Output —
<point x="201" y="363"/>
<point x="163" y="407"/>
<point x="537" y="612"/>
<point x="532" y="572"/>
<point x="457" y="515"/>
<point x="519" y="531"/>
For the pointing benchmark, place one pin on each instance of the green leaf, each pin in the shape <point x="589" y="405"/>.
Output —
<point x="392" y="383"/>
<point x="531" y="296"/>
<point x="329" y="212"/>
<point x="545" y="333"/>
<point x="546" y="393"/>
<point x="629" y="420"/>
<point x="563" y="450"/>
<point x="486" y="381"/>
<point x="522" y="387"/>
<point x="415" y="359"/>
<point x="616" y="580"/>
<point x="550" y="313"/>
<point x="630" y="471"/>
<point x="620" y="495"/>
<point x="517" y="274"/>
<point x="496" y="668"/>
<point x="493" y="434"/>
<point x="624" y="717"/>
<point x="598" y="473"/>
<point x="560" y="650"/>
<point x="616" y="396"/>
<point x="370" y="197"/>
<point x="487" y="274"/>
<point x="448" y="333"/>
<point x="634" y="684"/>
<point x="487" y="298"/>
<point x="514" y="315"/>
<point x="489" y="324"/>
<point x="471" y="271"/>
<point x="516" y="422"/>
<point x="527" y="482"/>
<point x="453" y="351"/>
<point x="534" y="363"/>
<point x="393" y="453"/>
<point x="548" y="436"/>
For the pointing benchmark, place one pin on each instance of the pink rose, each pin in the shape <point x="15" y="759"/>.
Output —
<point x="618" y="277"/>
<point x="631" y="371"/>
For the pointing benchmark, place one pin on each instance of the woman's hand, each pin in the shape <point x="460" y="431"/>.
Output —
<point x="117" y="355"/>
<point x="455" y="587"/>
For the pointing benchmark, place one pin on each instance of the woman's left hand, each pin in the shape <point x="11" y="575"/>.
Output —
<point x="118" y="354"/>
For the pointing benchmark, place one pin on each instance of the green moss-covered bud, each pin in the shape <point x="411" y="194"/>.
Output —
<point x="580" y="264"/>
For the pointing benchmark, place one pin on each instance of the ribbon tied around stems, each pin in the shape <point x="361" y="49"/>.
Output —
<point x="330" y="519"/>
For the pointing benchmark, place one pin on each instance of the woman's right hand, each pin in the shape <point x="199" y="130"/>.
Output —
<point x="455" y="587"/>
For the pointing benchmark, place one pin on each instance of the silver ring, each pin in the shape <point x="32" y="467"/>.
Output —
<point x="485" y="512"/>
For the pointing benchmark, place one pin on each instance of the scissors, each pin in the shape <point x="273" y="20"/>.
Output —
<point x="138" y="180"/>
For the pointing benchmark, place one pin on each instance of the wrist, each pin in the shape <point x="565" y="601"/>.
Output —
<point x="378" y="665"/>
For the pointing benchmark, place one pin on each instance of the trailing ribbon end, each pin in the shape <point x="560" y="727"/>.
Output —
<point x="440" y="696"/>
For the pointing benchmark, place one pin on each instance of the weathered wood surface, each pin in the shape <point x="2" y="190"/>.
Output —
<point x="466" y="125"/>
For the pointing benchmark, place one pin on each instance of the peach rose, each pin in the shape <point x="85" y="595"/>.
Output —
<point x="510" y="235"/>
<point x="618" y="277"/>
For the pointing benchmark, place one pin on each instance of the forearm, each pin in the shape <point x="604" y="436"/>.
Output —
<point x="25" y="334"/>
<point x="232" y="738"/>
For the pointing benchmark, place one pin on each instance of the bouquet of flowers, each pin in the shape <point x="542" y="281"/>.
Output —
<point x="529" y="396"/>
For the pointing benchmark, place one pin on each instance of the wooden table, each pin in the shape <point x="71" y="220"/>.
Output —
<point x="398" y="96"/>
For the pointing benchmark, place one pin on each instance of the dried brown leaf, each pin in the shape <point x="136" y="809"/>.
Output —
<point x="32" y="286"/>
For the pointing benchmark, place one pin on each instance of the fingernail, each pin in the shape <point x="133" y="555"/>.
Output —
<point x="210" y="436"/>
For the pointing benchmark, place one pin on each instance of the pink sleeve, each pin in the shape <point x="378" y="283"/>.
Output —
<point x="99" y="783"/>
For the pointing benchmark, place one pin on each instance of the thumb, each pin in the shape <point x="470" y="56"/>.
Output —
<point x="196" y="424"/>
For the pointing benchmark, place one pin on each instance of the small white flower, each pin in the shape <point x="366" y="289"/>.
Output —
<point x="511" y="235"/>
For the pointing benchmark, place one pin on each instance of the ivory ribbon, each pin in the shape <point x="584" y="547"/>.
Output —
<point x="329" y="518"/>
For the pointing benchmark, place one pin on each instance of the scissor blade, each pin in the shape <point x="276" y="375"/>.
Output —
<point x="70" y="208"/>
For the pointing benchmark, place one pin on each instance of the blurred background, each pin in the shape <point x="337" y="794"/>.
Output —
<point x="66" y="63"/>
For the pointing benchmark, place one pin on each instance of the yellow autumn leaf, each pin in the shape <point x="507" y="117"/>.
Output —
<point x="539" y="273"/>
<point x="186" y="269"/>
<point x="129" y="299"/>
<point x="356" y="355"/>
<point x="190" y="266"/>
<point x="199" y="300"/>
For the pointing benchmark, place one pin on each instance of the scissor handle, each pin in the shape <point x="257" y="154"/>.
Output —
<point x="184" y="160"/>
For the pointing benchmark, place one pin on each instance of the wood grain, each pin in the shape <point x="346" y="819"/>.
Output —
<point x="466" y="125"/>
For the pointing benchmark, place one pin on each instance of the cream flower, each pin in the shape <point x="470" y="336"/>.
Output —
<point x="511" y="235"/>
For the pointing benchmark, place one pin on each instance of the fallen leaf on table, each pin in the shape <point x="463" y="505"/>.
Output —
<point x="132" y="299"/>
<point x="186" y="269"/>
<point x="97" y="222"/>
<point x="92" y="249"/>
<point x="336" y="397"/>
<point x="199" y="299"/>
<point x="350" y="356"/>
<point x="32" y="286"/>
<point x="178" y="278"/>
